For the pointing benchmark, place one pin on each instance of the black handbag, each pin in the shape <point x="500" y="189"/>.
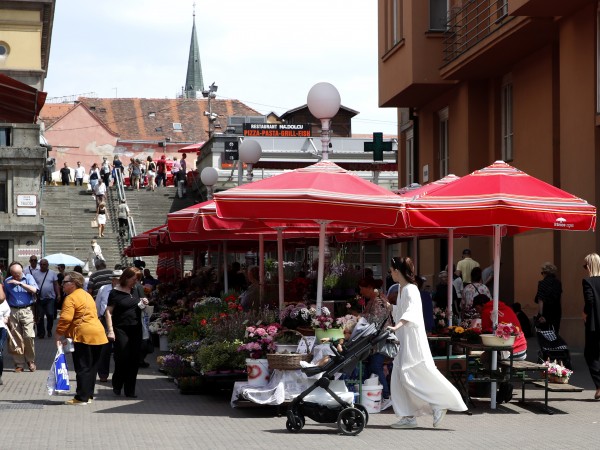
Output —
<point x="390" y="346"/>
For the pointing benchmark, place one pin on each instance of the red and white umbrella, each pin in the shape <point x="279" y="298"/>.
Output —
<point x="505" y="199"/>
<point x="323" y="192"/>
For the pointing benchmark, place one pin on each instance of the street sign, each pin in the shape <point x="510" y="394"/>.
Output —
<point x="277" y="130"/>
<point x="231" y="151"/>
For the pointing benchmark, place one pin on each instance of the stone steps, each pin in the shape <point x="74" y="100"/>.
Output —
<point x="68" y="211"/>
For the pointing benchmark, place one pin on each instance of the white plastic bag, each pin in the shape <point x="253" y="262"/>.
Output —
<point x="58" y="378"/>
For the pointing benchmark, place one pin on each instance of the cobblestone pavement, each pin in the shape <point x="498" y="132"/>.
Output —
<point x="163" y="418"/>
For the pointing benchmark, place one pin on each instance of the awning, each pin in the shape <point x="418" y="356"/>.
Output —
<point x="19" y="102"/>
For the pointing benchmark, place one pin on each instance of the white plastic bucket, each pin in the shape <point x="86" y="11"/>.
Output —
<point x="163" y="342"/>
<point x="371" y="398"/>
<point x="258" y="371"/>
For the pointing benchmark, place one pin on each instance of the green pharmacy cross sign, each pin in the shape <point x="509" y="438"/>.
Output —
<point x="378" y="147"/>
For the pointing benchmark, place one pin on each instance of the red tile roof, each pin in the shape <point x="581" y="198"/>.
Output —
<point x="153" y="119"/>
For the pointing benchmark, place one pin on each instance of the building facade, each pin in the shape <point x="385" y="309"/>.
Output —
<point x="517" y="80"/>
<point x="25" y="32"/>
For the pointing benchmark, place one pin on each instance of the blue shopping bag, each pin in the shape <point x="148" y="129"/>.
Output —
<point x="58" y="378"/>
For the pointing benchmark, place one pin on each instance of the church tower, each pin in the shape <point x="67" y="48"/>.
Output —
<point x="193" y="79"/>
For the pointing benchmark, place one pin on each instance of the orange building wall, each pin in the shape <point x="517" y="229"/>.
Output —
<point x="578" y="154"/>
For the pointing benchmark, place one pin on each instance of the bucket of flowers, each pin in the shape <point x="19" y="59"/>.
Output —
<point x="504" y="336"/>
<point x="557" y="373"/>
<point x="258" y="342"/>
<point x="326" y="326"/>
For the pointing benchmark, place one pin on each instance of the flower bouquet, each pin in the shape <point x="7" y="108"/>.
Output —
<point x="258" y="340"/>
<point x="296" y="315"/>
<point x="557" y="373"/>
<point x="439" y="319"/>
<point x="325" y="320"/>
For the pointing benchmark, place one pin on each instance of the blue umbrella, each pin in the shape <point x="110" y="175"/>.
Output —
<point x="61" y="258"/>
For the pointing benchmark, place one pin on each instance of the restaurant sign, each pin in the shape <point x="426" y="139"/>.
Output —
<point x="277" y="130"/>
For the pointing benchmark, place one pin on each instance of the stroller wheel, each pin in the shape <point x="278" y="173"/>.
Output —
<point x="294" y="423"/>
<point x="363" y="410"/>
<point x="351" y="421"/>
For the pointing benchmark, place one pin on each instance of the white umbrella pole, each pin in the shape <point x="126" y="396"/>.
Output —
<point x="261" y="268"/>
<point x="225" y="274"/>
<point x="450" y="274"/>
<point x="321" y="268"/>
<point x="280" y="266"/>
<point x="496" y="293"/>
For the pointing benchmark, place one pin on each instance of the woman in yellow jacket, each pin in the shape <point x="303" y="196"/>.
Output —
<point x="79" y="321"/>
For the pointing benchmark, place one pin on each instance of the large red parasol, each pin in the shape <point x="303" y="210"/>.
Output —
<point x="505" y="199"/>
<point x="323" y="192"/>
<point x="500" y="195"/>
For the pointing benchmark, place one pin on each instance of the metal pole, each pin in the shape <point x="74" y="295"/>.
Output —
<point x="325" y="138"/>
<point x="321" y="269"/>
<point x="225" y="273"/>
<point x="496" y="293"/>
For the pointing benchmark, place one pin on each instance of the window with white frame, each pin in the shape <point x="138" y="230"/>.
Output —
<point x="393" y="9"/>
<point x="410" y="157"/>
<point x="506" y="111"/>
<point x="444" y="151"/>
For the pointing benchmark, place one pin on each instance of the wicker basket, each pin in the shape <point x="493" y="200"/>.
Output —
<point x="288" y="361"/>
<point x="555" y="379"/>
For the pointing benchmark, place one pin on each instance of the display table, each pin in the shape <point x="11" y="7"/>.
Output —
<point x="477" y="373"/>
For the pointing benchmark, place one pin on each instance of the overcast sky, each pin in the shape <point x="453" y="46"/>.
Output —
<point x="265" y="53"/>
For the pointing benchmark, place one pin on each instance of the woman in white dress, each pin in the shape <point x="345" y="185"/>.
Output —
<point x="417" y="386"/>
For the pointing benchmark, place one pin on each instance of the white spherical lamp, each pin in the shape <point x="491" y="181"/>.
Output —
<point x="250" y="151"/>
<point x="323" y="100"/>
<point x="209" y="176"/>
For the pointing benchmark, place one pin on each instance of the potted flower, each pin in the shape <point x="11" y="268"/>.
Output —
<point x="504" y="336"/>
<point x="459" y="333"/>
<point x="557" y="373"/>
<point x="326" y="326"/>
<point x="295" y="315"/>
<point x="219" y="356"/>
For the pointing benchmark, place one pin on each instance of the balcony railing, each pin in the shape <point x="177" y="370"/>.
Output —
<point x="471" y="23"/>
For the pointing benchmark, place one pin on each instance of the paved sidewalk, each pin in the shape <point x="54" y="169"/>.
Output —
<point x="162" y="418"/>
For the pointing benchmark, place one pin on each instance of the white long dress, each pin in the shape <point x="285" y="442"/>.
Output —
<point x="417" y="386"/>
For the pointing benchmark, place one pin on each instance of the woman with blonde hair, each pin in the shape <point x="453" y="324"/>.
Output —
<point x="79" y="321"/>
<point x="101" y="216"/>
<point x="591" y="315"/>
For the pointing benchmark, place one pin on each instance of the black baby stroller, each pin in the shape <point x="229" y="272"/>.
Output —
<point x="552" y="346"/>
<point x="328" y="400"/>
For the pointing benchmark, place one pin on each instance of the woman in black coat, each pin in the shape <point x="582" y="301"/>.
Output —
<point x="548" y="298"/>
<point x="591" y="313"/>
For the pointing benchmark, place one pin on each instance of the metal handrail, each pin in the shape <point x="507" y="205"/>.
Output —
<point x="120" y="185"/>
<point x="471" y="24"/>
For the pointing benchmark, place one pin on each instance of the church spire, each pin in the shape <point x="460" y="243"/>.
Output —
<point x="193" y="79"/>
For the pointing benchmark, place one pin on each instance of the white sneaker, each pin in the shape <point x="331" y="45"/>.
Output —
<point x="438" y="417"/>
<point x="386" y="403"/>
<point x="405" y="422"/>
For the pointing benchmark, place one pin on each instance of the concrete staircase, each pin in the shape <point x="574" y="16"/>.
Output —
<point x="68" y="211"/>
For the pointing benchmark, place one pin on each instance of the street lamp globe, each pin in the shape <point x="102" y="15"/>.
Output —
<point x="250" y="152"/>
<point x="324" y="102"/>
<point x="209" y="177"/>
